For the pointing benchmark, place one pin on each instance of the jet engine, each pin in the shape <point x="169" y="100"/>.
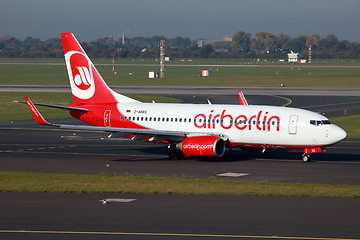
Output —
<point x="202" y="146"/>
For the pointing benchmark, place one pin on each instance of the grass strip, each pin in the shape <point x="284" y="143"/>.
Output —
<point x="76" y="183"/>
<point x="350" y="123"/>
<point x="222" y="76"/>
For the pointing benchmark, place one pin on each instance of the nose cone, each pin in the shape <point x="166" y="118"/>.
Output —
<point x="338" y="134"/>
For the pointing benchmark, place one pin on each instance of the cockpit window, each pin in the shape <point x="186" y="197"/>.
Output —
<point x="319" y="122"/>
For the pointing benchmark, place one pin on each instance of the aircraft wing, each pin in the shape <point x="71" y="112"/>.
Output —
<point x="136" y="134"/>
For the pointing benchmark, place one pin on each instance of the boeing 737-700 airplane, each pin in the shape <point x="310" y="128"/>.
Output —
<point x="189" y="129"/>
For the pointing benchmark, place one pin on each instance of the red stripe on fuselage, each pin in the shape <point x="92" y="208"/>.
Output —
<point x="232" y="144"/>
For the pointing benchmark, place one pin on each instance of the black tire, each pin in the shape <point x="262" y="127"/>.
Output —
<point x="180" y="155"/>
<point x="175" y="154"/>
<point x="306" y="158"/>
<point x="172" y="154"/>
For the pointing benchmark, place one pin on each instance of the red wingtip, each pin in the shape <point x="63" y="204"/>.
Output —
<point x="36" y="114"/>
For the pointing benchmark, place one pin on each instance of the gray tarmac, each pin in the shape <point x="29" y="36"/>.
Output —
<point x="25" y="146"/>
<point x="82" y="216"/>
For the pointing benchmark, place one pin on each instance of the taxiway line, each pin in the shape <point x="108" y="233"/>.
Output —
<point x="330" y="104"/>
<point x="289" y="101"/>
<point x="175" y="235"/>
<point x="75" y="153"/>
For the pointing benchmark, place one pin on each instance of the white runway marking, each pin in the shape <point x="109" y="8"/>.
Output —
<point x="232" y="174"/>
<point x="118" y="200"/>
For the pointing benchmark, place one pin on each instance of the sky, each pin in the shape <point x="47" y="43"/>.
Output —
<point x="197" y="19"/>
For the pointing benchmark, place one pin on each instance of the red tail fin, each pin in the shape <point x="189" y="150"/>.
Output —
<point x="86" y="83"/>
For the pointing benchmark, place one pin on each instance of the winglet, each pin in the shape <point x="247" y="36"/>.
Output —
<point x="242" y="98"/>
<point x="36" y="114"/>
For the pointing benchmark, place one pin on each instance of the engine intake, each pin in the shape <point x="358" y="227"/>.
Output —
<point x="202" y="146"/>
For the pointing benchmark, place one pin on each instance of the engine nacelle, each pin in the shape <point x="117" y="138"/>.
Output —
<point x="202" y="146"/>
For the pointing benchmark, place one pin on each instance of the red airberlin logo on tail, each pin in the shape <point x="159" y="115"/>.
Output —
<point x="80" y="74"/>
<point x="81" y="79"/>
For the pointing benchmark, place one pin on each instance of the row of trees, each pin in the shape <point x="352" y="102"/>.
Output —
<point x="242" y="45"/>
<point x="327" y="47"/>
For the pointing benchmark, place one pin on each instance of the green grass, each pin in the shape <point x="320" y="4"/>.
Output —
<point x="15" y="74"/>
<point x="210" y="61"/>
<point x="75" y="183"/>
<point x="16" y="111"/>
<point x="351" y="124"/>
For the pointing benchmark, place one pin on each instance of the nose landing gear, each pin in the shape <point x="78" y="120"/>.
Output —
<point x="306" y="157"/>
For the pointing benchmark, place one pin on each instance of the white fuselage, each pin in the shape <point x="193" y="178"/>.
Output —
<point x="242" y="124"/>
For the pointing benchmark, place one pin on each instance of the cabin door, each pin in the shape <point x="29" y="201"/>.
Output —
<point x="293" y="124"/>
<point x="107" y="114"/>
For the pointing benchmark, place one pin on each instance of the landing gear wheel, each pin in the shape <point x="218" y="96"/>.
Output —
<point x="306" y="158"/>
<point x="175" y="154"/>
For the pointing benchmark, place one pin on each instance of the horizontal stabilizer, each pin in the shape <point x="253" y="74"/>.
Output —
<point x="57" y="106"/>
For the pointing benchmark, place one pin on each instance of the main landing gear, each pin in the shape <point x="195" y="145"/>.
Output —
<point x="306" y="157"/>
<point x="176" y="154"/>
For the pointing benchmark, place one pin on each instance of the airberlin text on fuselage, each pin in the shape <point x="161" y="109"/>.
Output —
<point x="263" y="121"/>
